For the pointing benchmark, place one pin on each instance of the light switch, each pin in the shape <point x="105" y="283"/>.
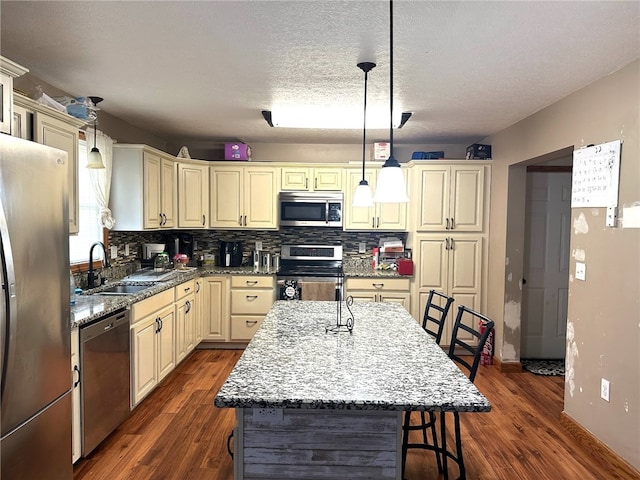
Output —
<point x="114" y="251"/>
<point x="126" y="249"/>
<point x="362" y="247"/>
<point x="581" y="271"/>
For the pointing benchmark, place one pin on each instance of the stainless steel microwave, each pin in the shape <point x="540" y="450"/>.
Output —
<point x="311" y="209"/>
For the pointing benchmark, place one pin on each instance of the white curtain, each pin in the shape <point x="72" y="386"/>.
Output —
<point x="101" y="177"/>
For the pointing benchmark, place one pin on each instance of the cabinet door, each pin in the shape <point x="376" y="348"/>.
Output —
<point x="295" y="179"/>
<point x="391" y="216"/>
<point x="144" y="356"/>
<point x="433" y="183"/>
<point x="22" y="126"/>
<point x="181" y="330"/>
<point x="467" y="198"/>
<point x="166" y="342"/>
<point x="55" y="133"/>
<point x="6" y="89"/>
<point x="152" y="190"/>
<point x="193" y="196"/>
<point x="401" y="298"/>
<point x="260" y="209"/>
<point x="168" y="193"/>
<point x="358" y="218"/>
<point x="215" y="309"/>
<point x="363" y="295"/>
<point x="433" y="263"/>
<point x="76" y="431"/>
<point x="199" y="301"/>
<point x="327" y="179"/>
<point x="226" y="199"/>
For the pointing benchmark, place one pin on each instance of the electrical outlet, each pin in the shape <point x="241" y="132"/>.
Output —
<point x="268" y="415"/>
<point x="581" y="271"/>
<point x="362" y="247"/>
<point x="604" y="389"/>
<point x="612" y="216"/>
<point x="258" y="245"/>
<point x="126" y="249"/>
<point x="114" y="251"/>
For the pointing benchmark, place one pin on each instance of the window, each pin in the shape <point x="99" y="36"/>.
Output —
<point x="90" y="230"/>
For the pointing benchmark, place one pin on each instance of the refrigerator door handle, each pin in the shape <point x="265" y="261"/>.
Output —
<point x="8" y="307"/>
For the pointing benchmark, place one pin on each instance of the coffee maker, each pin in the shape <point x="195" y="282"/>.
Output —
<point x="179" y="243"/>
<point x="230" y="254"/>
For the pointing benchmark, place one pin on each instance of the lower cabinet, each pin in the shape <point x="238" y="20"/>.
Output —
<point x="380" y="289"/>
<point x="251" y="298"/>
<point x="76" y="430"/>
<point x="153" y="328"/>
<point x="215" y="308"/>
<point x="185" y="319"/>
<point x="199" y="298"/>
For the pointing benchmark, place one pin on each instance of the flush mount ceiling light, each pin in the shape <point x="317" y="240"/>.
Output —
<point x="332" y="117"/>
<point x="363" y="197"/>
<point x="94" y="159"/>
<point x="391" y="187"/>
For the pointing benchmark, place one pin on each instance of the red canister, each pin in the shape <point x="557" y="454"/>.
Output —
<point x="405" y="266"/>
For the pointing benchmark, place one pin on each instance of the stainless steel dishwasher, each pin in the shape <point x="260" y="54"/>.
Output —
<point x="104" y="377"/>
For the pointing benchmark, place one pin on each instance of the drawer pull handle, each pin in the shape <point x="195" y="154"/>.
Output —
<point x="252" y="282"/>
<point x="251" y="297"/>
<point x="378" y="285"/>
<point x="250" y="323"/>
<point x="187" y="289"/>
<point x="76" y="369"/>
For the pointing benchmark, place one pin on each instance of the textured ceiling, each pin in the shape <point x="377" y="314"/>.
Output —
<point x="202" y="71"/>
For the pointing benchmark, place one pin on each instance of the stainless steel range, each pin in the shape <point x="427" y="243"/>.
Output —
<point x="310" y="272"/>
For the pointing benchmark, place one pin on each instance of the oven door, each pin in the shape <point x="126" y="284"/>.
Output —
<point x="310" y="288"/>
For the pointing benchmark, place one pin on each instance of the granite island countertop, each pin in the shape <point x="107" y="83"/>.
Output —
<point x="387" y="363"/>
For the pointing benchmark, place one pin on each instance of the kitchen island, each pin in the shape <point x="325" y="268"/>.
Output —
<point x="308" y="401"/>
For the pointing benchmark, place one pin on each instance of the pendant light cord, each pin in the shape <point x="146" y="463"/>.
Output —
<point x="391" y="78"/>
<point x="364" y="122"/>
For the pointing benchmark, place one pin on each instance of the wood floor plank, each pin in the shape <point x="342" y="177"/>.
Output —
<point x="176" y="433"/>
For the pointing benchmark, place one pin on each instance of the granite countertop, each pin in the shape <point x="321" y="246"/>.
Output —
<point x="387" y="363"/>
<point x="90" y="307"/>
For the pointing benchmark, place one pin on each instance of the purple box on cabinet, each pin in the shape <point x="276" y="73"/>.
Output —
<point x="237" y="151"/>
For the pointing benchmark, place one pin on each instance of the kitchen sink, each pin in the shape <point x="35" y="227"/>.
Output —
<point x="122" y="289"/>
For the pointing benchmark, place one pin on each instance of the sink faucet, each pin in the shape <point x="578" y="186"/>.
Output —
<point x="91" y="275"/>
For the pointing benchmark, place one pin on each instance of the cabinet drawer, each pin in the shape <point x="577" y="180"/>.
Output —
<point x="380" y="283"/>
<point x="251" y="302"/>
<point x="185" y="289"/>
<point x="252" y="281"/>
<point x="141" y="309"/>
<point x="243" y="327"/>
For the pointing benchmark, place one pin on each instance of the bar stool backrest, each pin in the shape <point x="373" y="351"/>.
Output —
<point x="468" y="322"/>
<point x="435" y="314"/>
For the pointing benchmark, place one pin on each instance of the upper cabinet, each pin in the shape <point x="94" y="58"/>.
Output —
<point x="55" y="129"/>
<point x="243" y="197"/>
<point x="309" y="179"/>
<point x="143" y="188"/>
<point x="8" y="71"/>
<point x="382" y="216"/>
<point x="193" y="195"/>
<point x="450" y="197"/>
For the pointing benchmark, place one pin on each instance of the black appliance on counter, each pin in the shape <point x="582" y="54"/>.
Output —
<point x="230" y="254"/>
<point x="179" y="243"/>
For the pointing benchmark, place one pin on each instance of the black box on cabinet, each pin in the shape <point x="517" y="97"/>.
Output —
<point x="478" y="151"/>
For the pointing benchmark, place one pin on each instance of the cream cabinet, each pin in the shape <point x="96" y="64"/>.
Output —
<point x="215" y="308"/>
<point x="294" y="178"/>
<point x="143" y="188"/>
<point x="185" y="319"/>
<point x="382" y="216"/>
<point x="251" y="298"/>
<point x="193" y="195"/>
<point x="453" y="265"/>
<point x="58" y="130"/>
<point x="450" y="197"/>
<point x="152" y="343"/>
<point x="76" y="430"/>
<point x="199" y="299"/>
<point x="8" y="71"/>
<point x="380" y="289"/>
<point x="243" y="197"/>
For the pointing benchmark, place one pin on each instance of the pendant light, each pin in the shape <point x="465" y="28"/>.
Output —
<point x="94" y="159"/>
<point x="363" y="197"/>
<point x="391" y="187"/>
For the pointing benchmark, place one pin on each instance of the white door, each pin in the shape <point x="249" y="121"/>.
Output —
<point x="546" y="264"/>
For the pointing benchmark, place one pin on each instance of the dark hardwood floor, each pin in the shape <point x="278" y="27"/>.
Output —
<point x="177" y="433"/>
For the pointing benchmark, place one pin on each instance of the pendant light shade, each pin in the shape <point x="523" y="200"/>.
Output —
<point x="94" y="159"/>
<point x="362" y="196"/>
<point x="391" y="186"/>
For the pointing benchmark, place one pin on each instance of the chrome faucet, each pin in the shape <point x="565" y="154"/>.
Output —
<point x="91" y="275"/>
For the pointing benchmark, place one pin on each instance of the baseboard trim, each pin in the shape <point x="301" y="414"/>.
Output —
<point x="619" y="466"/>
<point x="507" y="367"/>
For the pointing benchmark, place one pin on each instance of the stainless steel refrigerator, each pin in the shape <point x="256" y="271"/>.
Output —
<point x="35" y="441"/>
